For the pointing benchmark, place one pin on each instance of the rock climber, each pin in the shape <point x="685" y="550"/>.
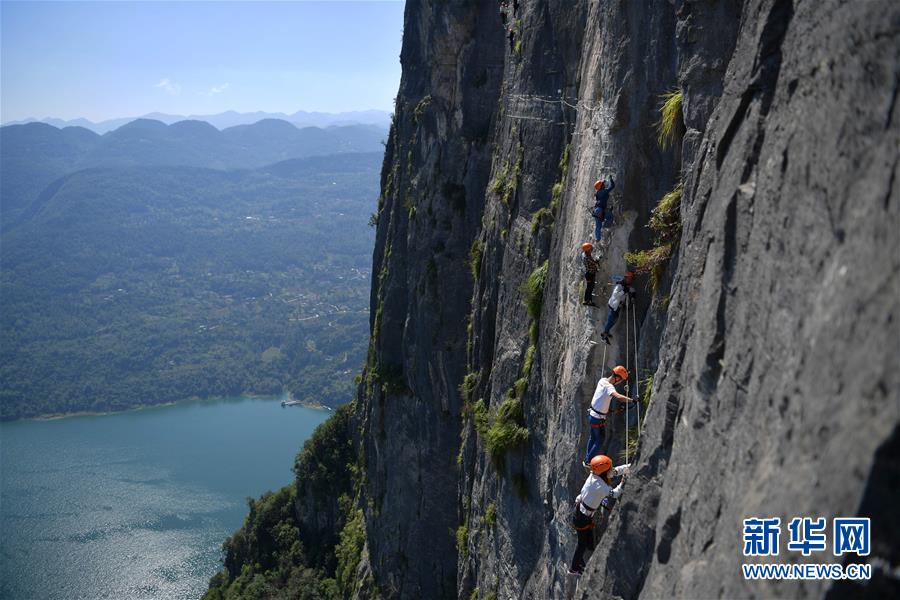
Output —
<point x="590" y="273"/>
<point x="623" y="292"/>
<point x="601" y="197"/>
<point x="594" y="494"/>
<point x="512" y="39"/>
<point x="603" y="395"/>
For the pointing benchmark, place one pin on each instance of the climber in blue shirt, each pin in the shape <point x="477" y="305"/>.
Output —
<point x="601" y="197"/>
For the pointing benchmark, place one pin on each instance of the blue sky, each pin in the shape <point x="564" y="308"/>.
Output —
<point x="104" y="60"/>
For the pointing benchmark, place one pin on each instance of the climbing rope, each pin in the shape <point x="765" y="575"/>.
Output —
<point x="637" y="374"/>
<point x="627" y="306"/>
<point x="581" y="106"/>
<point x="603" y="364"/>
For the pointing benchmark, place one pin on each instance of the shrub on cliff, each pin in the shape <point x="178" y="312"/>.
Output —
<point x="665" y="221"/>
<point x="671" y="120"/>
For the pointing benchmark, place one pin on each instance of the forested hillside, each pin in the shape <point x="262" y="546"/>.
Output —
<point x="125" y="286"/>
<point x="35" y="154"/>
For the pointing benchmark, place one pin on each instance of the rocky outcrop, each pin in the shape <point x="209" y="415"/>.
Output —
<point x="435" y="173"/>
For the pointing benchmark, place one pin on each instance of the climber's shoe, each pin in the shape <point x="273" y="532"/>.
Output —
<point x="586" y="465"/>
<point x="574" y="573"/>
<point x="589" y="304"/>
<point x="606" y="338"/>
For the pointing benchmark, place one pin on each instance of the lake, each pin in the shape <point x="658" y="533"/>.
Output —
<point x="137" y="504"/>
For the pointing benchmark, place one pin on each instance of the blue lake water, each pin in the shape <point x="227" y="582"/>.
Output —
<point x="137" y="504"/>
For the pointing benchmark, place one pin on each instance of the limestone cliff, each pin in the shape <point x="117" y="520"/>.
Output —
<point x="770" y="334"/>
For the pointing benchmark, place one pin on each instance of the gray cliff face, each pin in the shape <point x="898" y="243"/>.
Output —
<point x="778" y="374"/>
<point x="771" y="338"/>
<point x="436" y="168"/>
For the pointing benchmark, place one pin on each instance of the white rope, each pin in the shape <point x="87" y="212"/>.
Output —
<point x="627" y="304"/>
<point x="606" y="113"/>
<point x="637" y="374"/>
<point x="603" y="366"/>
<point x="579" y="104"/>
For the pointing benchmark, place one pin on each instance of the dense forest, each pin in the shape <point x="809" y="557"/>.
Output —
<point x="124" y="286"/>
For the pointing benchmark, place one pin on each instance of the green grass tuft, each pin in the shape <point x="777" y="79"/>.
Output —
<point x="564" y="162"/>
<point x="498" y="184"/>
<point x="462" y="540"/>
<point x="505" y="430"/>
<point x="533" y="290"/>
<point x="419" y="111"/>
<point x="539" y="217"/>
<point x="490" y="514"/>
<point x="671" y="121"/>
<point x="481" y="417"/>
<point x="555" y="195"/>
<point x="665" y="219"/>
<point x="476" y="251"/>
<point x="468" y="384"/>
<point x="529" y="361"/>
<point x="644" y="261"/>
<point x="520" y="386"/>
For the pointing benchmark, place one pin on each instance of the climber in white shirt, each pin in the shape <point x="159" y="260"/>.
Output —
<point x="596" y="490"/>
<point x="622" y="293"/>
<point x="603" y="395"/>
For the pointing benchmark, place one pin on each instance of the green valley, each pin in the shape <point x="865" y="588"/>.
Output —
<point x="124" y="285"/>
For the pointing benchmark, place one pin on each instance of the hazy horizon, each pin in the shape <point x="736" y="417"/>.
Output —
<point x="158" y="113"/>
<point x="103" y="61"/>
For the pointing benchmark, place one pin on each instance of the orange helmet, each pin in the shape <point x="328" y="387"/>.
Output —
<point x="621" y="372"/>
<point x="628" y="276"/>
<point x="600" y="464"/>
<point x="587" y="246"/>
<point x="598" y="184"/>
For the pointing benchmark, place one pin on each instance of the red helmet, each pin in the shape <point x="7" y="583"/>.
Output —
<point x="587" y="246"/>
<point x="598" y="184"/>
<point x="621" y="372"/>
<point x="600" y="464"/>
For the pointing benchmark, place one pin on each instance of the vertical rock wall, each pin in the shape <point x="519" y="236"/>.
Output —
<point x="776" y="350"/>
<point x="777" y="380"/>
<point x="436" y="166"/>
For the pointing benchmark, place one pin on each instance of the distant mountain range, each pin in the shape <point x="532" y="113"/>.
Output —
<point x="230" y="118"/>
<point x="35" y="154"/>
